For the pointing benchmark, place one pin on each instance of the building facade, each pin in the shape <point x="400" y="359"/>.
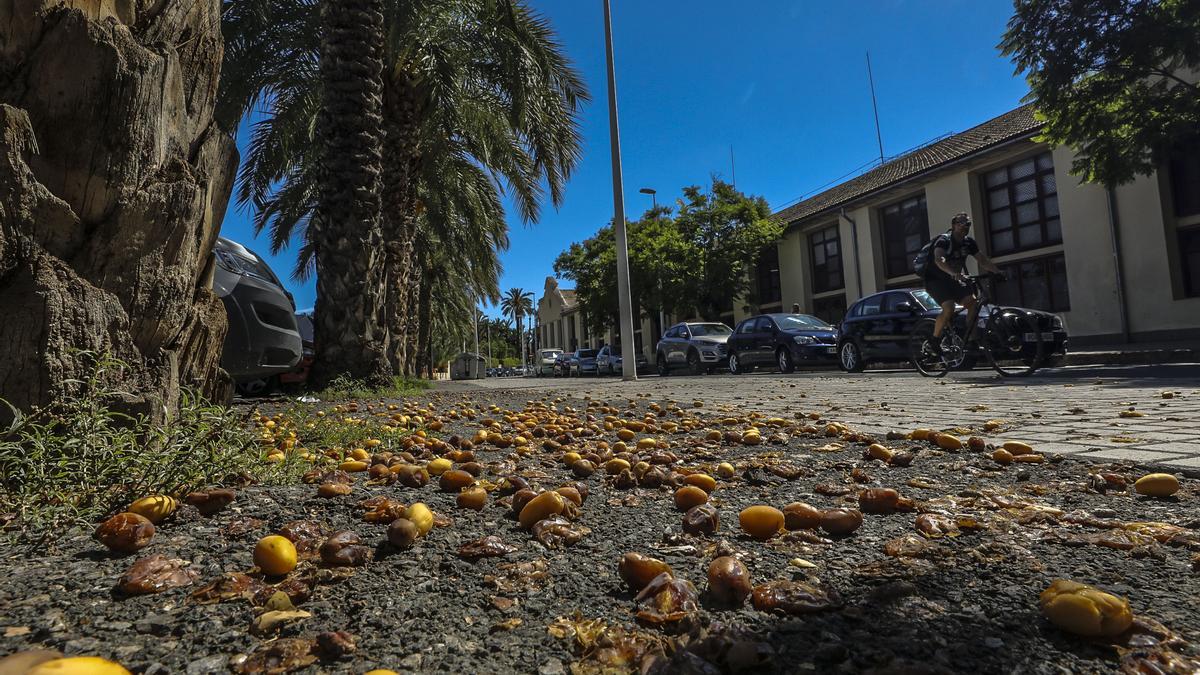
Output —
<point x="561" y="325"/>
<point x="1118" y="266"/>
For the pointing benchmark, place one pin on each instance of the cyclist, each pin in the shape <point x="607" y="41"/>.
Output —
<point x="946" y="279"/>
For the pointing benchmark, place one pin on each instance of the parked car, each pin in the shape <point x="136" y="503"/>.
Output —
<point x="545" y="361"/>
<point x="263" y="339"/>
<point x="878" y="328"/>
<point x="609" y="361"/>
<point x="295" y="378"/>
<point x="782" y="341"/>
<point x="699" y="347"/>
<point x="583" y="361"/>
<point x="562" y="364"/>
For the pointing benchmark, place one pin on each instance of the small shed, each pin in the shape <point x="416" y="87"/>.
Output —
<point x="467" y="366"/>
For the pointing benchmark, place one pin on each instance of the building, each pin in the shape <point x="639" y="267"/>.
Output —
<point x="561" y="325"/>
<point x="1117" y="266"/>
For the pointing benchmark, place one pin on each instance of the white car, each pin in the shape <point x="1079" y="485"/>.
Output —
<point x="545" y="361"/>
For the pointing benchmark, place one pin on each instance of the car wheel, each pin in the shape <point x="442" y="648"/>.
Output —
<point x="850" y="357"/>
<point x="734" y="364"/>
<point x="783" y="358"/>
<point x="661" y="363"/>
<point x="260" y="387"/>
<point x="693" y="360"/>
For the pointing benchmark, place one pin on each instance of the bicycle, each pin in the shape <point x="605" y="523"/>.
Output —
<point x="1010" y="338"/>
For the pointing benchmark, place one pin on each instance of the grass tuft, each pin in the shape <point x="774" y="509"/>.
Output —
<point x="343" y="388"/>
<point x="78" y="460"/>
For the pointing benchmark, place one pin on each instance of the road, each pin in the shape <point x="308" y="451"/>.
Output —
<point x="1081" y="411"/>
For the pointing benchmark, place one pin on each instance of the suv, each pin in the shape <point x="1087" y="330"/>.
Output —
<point x="263" y="340"/>
<point x="545" y="361"/>
<point x="699" y="347"/>
<point x="879" y="326"/>
<point x="608" y="360"/>
<point x="583" y="361"/>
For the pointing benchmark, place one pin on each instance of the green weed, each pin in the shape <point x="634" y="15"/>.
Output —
<point x="343" y="388"/>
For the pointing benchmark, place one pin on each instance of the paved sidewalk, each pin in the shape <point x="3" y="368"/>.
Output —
<point x="1075" y="411"/>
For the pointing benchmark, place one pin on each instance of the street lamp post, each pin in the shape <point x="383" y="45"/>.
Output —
<point x="628" y="365"/>
<point x="652" y="192"/>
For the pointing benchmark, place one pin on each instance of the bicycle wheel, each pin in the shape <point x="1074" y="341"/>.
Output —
<point x="1013" y="343"/>
<point x="920" y="351"/>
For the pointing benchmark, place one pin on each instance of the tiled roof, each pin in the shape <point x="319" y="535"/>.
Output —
<point x="1011" y="125"/>
<point x="568" y="296"/>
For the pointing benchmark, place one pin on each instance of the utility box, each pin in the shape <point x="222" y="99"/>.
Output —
<point x="467" y="366"/>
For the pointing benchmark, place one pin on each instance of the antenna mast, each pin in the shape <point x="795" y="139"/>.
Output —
<point x="875" y="106"/>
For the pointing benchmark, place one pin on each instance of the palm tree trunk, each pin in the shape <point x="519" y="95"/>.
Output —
<point x="412" y="338"/>
<point x="350" y="339"/>
<point x="401" y="163"/>
<point x="425" y="324"/>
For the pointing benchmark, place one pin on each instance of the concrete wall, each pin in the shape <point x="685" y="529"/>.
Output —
<point x="1153" y="295"/>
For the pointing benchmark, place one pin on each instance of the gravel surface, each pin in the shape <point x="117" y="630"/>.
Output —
<point x="958" y="604"/>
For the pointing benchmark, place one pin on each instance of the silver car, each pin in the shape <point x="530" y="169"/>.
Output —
<point x="545" y="361"/>
<point x="699" y="347"/>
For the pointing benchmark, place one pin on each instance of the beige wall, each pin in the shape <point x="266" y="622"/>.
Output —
<point x="1148" y="241"/>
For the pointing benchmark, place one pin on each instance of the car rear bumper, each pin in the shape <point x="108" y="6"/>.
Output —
<point x="263" y="339"/>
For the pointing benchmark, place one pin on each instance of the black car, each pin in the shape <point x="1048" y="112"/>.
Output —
<point x="879" y="326"/>
<point x="782" y="341"/>
<point x="263" y="339"/>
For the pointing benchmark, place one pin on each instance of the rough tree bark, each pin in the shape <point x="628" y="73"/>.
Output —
<point x="401" y="163"/>
<point x="113" y="183"/>
<point x="350" y="335"/>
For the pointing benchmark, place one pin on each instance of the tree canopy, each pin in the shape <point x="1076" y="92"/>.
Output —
<point x="1114" y="79"/>
<point x="695" y="261"/>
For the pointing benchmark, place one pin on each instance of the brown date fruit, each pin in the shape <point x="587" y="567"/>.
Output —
<point x="472" y="498"/>
<point x="792" y="597"/>
<point x="520" y="498"/>
<point x="801" y="516"/>
<point x="703" y="519"/>
<point x="330" y="490"/>
<point x="209" y="502"/>
<point x="571" y="494"/>
<point x="155" y="573"/>
<point x="639" y="570"/>
<point x="841" y="521"/>
<point x="344" y="549"/>
<point x="411" y="475"/>
<point x="455" y="480"/>
<point x="125" y="532"/>
<point x="402" y="533"/>
<point x="473" y="468"/>
<point x="688" y="496"/>
<point x="728" y="580"/>
<point x="880" y="501"/>
<point x="512" y="484"/>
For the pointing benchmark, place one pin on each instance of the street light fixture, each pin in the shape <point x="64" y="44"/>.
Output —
<point x="651" y="192"/>
<point x="628" y="365"/>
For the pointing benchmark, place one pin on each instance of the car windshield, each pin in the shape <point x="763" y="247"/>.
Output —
<point x="550" y="353"/>
<point x="925" y="299"/>
<point x="799" y="322"/>
<point x="709" y="329"/>
<point x="587" y="353"/>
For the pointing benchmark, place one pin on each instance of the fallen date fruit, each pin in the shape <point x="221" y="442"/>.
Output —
<point x="125" y="532"/>
<point x="541" y="507"/>
<point x="557" y="531"/>
<point x="330" y="490"/>
<point x="413" y="476"/>
<point x="666" y="600"/>
<point x="520" y="498"/>
<point x="703" y="519"/>
<point x="155" y="573"/>
<point x="761" y="521"/>
<point x="571" y="494"/>
<point x="841" y="521"/>
<point x="728" y="580"/>
<point x="801" y="516"/>
<point x="638" y="570"/>
<point x="402" y="533"/>
<point x="935" y="526"/>
<point x="209" y="502"/>
<point x="344" y="549"/>
<point x="881" y="501"/>
<point x="792" y="597"/>
<point x="455" y="480"/>
<point x="490" y="546"/>
<point x="335" y="644"/>
<point x="385" y="511"/>
<point x="1084" y="610"/>
<point x="688" y="496"/>
<point x="472" y="498"/>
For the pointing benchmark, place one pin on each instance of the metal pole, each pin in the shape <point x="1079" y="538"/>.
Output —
<point x="629" y="363"/>
<point x="489" y="323"/>
<point x="475" y="326"/>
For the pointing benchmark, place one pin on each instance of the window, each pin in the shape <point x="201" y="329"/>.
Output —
<point x="763" y="325"/>
<point x="891" y="302"/>
<point x="870" y="306"/>
<point x="831" y="310"/>
<point x="768" y="275"/>
<point x="1040" y="283"/>
<point x="1189" y="259"/>
<point x="905" y="231"/>
<point x="1022" y="206"/>
<point x="1185" y="178"/>
<point x="746" y="326"/>
<point x="826" y="260"/>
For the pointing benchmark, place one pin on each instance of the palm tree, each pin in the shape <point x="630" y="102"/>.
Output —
<point x="477" y="95"/>
<point x="517" y="303"/>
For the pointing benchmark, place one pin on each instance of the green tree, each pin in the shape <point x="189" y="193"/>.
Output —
<point x="592" y="265"/>
<point x="477" y="95"/>
<point x="1110" y="79"/>
<point x="517" y="303"/>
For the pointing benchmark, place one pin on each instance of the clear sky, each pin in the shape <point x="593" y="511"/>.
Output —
<point x="782" y="82"/>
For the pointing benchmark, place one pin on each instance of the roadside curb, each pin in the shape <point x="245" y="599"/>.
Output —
<point x="1131" y="357"/>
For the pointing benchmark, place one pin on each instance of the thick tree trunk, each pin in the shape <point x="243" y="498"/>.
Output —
<point x="412" y="349"/>
<point x="425" y="324"/>
<point x="350" y="337"/>
<point x="113" y="183"/>
<point x="401" y="164"/>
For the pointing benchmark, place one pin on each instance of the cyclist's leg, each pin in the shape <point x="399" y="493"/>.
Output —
<point x="943" y="319"/>
<point x="971" y="303"/>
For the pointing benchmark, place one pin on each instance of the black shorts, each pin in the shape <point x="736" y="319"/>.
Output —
<point x="945" y="288"/>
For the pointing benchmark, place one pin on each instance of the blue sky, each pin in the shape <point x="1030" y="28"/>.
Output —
<point x="783" y="83"/>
